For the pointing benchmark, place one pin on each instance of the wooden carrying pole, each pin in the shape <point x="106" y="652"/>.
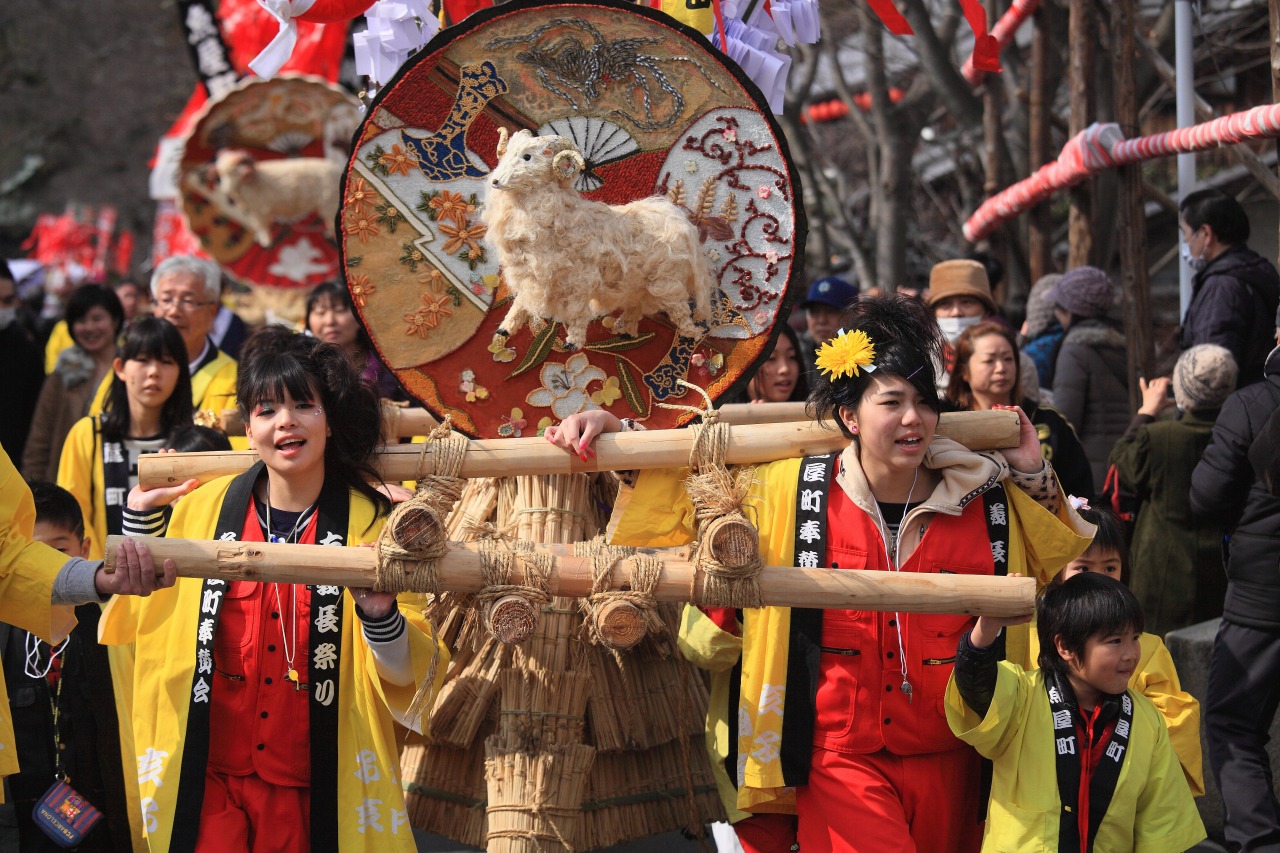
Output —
<point x="628" y="451"/>
<point x="460" y="571"/>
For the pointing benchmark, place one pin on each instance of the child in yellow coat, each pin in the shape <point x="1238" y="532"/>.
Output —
<point x="1155" y="676"/>
<point x="1082" y="762"/>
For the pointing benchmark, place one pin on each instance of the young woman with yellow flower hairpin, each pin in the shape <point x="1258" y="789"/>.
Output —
<point x="839" y="714"/>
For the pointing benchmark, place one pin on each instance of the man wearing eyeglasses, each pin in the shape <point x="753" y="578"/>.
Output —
<point x="185" y="291"/>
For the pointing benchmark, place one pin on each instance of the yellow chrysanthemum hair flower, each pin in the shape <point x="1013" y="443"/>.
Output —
<point x="844" y="354"/>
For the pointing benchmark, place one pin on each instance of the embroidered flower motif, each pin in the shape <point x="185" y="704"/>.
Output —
<point x="764" y="192"/>
<point x="435" y="306"/>
<point x="844" y="354"/>
<point x="361" y="289"/>
<point x="608" y="392"/>
<point x="397" y="161"/>
<point x="771" y="256"/>
<point x="730" y="135"/>
<point x="512" y="424"/>
<point x="471" y="388"/>
<point x="359" y="196"/>
<point x="713" y="255"/>
<point x="761" y="318"/>
<point x="364" y="226"/>
<point x="543" y="425"/>
<point x="564" y="386"/>
<point x="463" y="235"/>
<point x="691" y="166"/>
<point x="697" y="359"/>
<point x="501" y="352"/>
<point x="452" y="206"/>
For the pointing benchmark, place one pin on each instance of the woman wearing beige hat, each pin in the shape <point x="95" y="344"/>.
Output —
<point x="1091" y="378"/>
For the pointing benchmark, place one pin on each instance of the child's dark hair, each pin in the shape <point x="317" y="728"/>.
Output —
<point x="1086" y="605"/>
<point x="198" y="439"/>
<point x="907" y="344"/>
<point x="150" y="337"/>
<point x="56" y="506"/>
<point x="275" y="360"/>
<point x="1110" y="535"/>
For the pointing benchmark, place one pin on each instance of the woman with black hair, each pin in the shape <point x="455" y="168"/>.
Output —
<point x="780" y="378"/>
<point x="148" y="401"/>
<point x="270" y="708"/>
<point x="839" y="713"/>
<point x="331" y="317"/>
<point x="78" y="384"/>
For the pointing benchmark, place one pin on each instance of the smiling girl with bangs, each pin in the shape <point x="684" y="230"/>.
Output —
<point x="839" y="713"/>
<point x="276" y="714"/>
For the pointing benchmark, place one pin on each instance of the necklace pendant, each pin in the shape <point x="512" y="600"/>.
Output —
<point x="292" y="675"/>
<point x="906" y="690"/>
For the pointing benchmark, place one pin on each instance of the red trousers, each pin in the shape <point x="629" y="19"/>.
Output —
<point x="881" y="802"/>
<point x="766" y="833"/>
<point x="244" y="813"/>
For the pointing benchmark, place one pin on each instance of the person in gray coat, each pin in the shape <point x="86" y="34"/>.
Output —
<point x="1090" y="377"/>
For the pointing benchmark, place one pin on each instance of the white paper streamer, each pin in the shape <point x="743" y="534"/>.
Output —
<point x="395" y="30"/>
<point x="268" y="63"/>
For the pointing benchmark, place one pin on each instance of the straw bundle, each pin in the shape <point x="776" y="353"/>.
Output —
<point x="644" y="703"/>
<point x="445" y="789"/>
<point x="637" y="794"/>
<point x="535" y="798"/>
<point x="542" y="709"/>
<point x="468" y="694"/>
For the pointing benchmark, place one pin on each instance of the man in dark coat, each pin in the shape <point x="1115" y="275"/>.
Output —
<point x="1235" y="291"/>
<point x="1244" y="673"/>
<point x="24" y="369"/>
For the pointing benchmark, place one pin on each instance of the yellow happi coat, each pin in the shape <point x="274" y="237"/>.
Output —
<point x="371" y="812"/>
<point x="657" y="514"/>
<point x="1151" y="810"/>
<point x="27" y="572"/>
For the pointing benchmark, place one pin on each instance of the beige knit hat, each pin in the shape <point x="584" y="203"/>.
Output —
<point x="1203" y="378"/>
<point x="960" y="278"/>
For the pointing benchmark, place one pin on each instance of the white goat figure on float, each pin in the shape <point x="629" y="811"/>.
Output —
<point x="570" y="260"/>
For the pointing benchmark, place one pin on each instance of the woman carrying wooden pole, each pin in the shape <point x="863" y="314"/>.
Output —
<point x="265" y="712"/>
<point x="846" y="705"/>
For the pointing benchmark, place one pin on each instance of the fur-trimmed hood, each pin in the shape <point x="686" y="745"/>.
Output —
<point x="74" y="366"/>
<point x="1095" y="332"/>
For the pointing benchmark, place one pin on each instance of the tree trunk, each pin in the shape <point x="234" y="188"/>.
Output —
<point x="1131" y="223"/>
<point x="1039" y="221"/>
<point x="1081" y="36"/>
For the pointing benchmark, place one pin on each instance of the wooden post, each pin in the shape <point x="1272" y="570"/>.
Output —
<point x="627" y="451"/>
<point x="459" y="571"/>
<point x="1131" y="220"/>
<point x="1081" y="36"/>
<point x="994" y="165"/>
<point x="1039" y="221"/>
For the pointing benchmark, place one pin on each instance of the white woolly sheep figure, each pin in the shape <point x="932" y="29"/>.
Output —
<point x="279" y="190"/>
<point x="571" y="260"/>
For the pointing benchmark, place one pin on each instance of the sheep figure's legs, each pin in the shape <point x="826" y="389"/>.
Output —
<point x="517" y="316"/>
<point x="683" y="321"/>
<point x="628" y="325"/>
<point x="575" y="334"/>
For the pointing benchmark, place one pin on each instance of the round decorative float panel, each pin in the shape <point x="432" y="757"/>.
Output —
<point x="288" y="117"/>
<point x="654" y="110"/>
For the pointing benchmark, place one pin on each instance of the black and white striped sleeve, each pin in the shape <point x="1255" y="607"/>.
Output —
<point x="388" y="640"/>
<point x="146" y="522"/>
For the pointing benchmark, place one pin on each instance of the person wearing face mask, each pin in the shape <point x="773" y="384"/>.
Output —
<point x="1091" y="375"/>
<point x="24" y="371"/>
<point x="960" y="297"/>
<point x="1235" y="291"/>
